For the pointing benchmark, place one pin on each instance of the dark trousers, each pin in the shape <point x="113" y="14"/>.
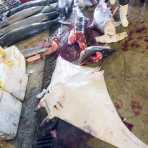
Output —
<point x="123" y="2"/>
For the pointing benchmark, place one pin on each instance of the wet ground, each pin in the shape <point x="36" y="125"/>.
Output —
<point x="126" y="75"/>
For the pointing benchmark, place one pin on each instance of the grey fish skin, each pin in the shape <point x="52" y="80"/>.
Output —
<point x="65" y="7"/>
<point x="38" y="18"/>
<point x="21" y="15"/>
<point x="47" y="9"/>
<point x="89" y="51"/>
<point x="28" y="31"/>
<point x="30" y="4"/>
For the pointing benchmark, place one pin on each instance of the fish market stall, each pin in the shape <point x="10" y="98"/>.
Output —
<point x="125" y="74"/>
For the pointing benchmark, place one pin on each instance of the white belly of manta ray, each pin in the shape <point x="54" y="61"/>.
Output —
<point x="79" y="96"/>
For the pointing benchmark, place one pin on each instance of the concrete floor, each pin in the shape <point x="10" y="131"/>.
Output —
<point x="126" y="75"/>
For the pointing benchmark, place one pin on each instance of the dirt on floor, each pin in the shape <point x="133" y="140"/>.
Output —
<point x="126" y="76"/>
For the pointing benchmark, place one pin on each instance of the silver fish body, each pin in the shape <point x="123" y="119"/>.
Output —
<point x="22" y="33"/>
<point x="29" y="5"/>
<point x="49" y="8"/>
<point x="21" y="15"/>
<point x="65" y="6"/>
<point x="38" y="18"/>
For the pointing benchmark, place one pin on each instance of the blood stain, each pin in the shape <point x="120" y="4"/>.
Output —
<point x="140" y="29"/>
<point x="145" y="120"/>
<point x="125" y="46"/>
<point x="134" y="45"/>
<point x="136" y="107"/>
<point x="118" y="104"/>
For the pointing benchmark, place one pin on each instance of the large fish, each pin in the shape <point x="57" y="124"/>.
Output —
<point x="51" y="7"/>
<point x="38" y="18"/>
<point x="65" y="6"/>
<point x="91" y="51"/>
<point x="25" y="32"/>
<point x="79" y="96"/>
<point x="30" y="4"/>
<point x="21" y="15"/>
<point x="3" y="8"/>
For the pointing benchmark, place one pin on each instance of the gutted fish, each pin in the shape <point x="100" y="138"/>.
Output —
<point x="90" y="53"/>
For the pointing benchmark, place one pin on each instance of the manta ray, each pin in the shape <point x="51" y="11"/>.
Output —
<point x="79" y="96"/>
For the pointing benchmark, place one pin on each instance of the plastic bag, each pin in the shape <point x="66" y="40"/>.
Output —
<point x="10" y="110"/>
<point x="13" y="77"/>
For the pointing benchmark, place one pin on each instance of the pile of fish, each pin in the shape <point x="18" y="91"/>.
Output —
<point x="5" y="5"/>
<point x="28" y="19"/>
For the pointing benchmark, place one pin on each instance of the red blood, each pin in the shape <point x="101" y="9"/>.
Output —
<point x="97" y="57"/>
<point x="70" y="52"/>
<point x="146" y="47"/>
<point x="81" y="40"/>
<point x="77" y="37"/>
<point x="118" y="104"/>
<point x="72" y="37"/>
<point x="130" y="35"/>
<point x="136" y="107"/>
<point x="135" y="45"/>
<point x="146" y="40"/>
